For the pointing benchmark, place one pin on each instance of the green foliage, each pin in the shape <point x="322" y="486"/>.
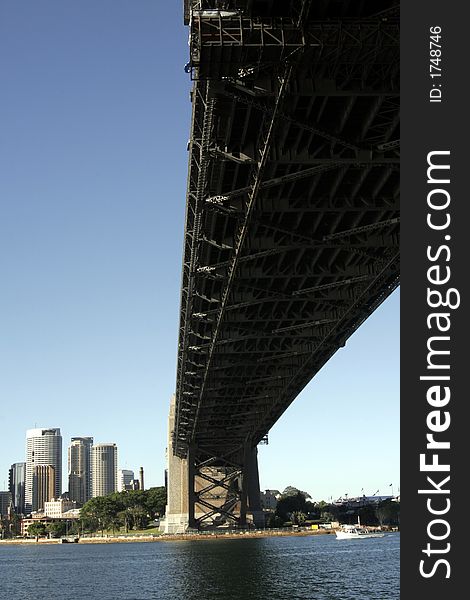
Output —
<point x="56" y="528"/>
<point x="290" y="504"/>
<point x="298" y="517"/>
<point x="131" y="510"/>
<point x="156" y="501"/>
<point x="98" y="513"/>
<point x="293" y="491"/>
<point x="273" y="521"/>
<point x="388" y="513"/>
<point x="37" y="529"/>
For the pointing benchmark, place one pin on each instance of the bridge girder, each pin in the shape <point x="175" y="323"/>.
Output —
<point x="292" y="223"/>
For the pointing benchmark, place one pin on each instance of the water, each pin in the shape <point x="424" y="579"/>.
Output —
<point x="283" y="568"/>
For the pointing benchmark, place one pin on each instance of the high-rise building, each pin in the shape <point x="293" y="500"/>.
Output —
<point x="43" y="447"/>
<point x="16" y="482"/>
<point x="43" y="485"/>
<point x="103" y="469"/>
<point x="79" y="462"/>
<point x="5" y="504"/>
<point x="125" y="480"/>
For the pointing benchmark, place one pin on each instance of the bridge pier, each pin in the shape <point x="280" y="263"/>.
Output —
<point x="209" y="491"/>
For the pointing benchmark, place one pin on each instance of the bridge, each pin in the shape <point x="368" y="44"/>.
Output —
<point x="292" y="225"/>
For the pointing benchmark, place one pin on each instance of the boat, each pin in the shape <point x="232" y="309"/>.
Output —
<point x="68" y="540"/>
<point x="356" y="532"/>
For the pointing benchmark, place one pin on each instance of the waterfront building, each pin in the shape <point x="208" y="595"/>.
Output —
<point x="43" y="447"/>
<point x="34" y="518"/>
<point x="103" y="469"/>
<point x="141" y="479"/>
<point x="125" y="480"/>
<point x="16" y="483"/>
<point x="43" y="486"/>
<point x="361" y="500"/>
<point x="79" y="464"/>
<point x="57" y="509"/>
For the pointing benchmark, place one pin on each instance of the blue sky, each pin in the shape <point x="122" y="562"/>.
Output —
<point x="95" y="117"/>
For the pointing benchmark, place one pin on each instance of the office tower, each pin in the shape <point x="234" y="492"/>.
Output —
<point x="125" y="480"/>
<point x="141" y="478"/>
<point x="5" y="504"/>
<point x="79" y="462"/>
<point x="43" y="485"/>
<point x="16" y="482"/>
<point x="43" y="447"/>
<point x="103" y="469"/>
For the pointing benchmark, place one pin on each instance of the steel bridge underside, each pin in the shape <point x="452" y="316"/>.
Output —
<point x="292" y="224"/>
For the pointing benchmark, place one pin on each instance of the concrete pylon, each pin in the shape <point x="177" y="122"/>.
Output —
<point x="208" y="494"/>
<point x="176" y="517"/>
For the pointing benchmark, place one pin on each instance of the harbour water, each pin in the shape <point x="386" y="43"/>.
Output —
<point x="285" y="568"/>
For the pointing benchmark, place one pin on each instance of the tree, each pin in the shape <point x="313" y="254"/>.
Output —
<point x="293" y="491"/>
<point x="130" y="508"/>
<point x="156" y="501"/>
<point x="288" y="504"/>
<point x="99" y="512"/>
<point x="37" y="530"/>
<point x="56" y="528"/>
<point x="388" y="512"/>
<point x="274" y="521"/>
<point x="298" y="517"/>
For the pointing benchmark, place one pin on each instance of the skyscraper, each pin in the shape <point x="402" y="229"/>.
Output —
<point x="103" y="469"/>
<point x="16" y="483"/>
<point x="79" y="462"/>
<point x="43" y="447"/>
<point x="43" y="485"/>
<point x="125" y="480"/>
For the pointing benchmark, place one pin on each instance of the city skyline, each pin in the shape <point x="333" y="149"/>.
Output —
<point x="91" y="258"/>
<point x="76" y="479"/>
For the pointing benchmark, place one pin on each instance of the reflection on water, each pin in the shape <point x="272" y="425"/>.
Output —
<point x="285" y="568"/>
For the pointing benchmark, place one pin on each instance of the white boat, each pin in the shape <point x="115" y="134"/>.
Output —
<point x="356" y="532"/>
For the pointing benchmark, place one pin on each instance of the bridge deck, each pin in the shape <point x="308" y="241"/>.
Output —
<point x="292" y="226"/>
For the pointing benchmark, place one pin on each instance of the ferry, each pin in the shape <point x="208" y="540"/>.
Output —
<point x="356" y="532"/>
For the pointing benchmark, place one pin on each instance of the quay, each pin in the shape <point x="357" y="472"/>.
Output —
<point x="176" y="537"/>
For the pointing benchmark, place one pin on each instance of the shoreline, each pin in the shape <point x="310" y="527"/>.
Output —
<point x="116" y="539"/>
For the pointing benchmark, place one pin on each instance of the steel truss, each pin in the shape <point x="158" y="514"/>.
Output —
<point x="292" y="223"/>
<point x="242" y="44"/>
<point x="219" y="485"/>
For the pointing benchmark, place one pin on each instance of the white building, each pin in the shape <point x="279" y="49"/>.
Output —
<point x="56" y="509"/>
<point x="103" y="469"/>
<point x="43" y="447"/>
<point x="125" y="480"/>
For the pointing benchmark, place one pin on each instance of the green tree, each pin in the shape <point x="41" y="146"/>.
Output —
<point x="98" y="513"/>
<point x="56" y="528"/>
<point x="156" y="501"/>
<point x="37" y="530"/>
<point x="131" y="509"/>
<point x="134" y="513"/>
<point x="293" y="491"/>
<point x="291" y="503"/>
<point x="388" y="512"/>
<point x="273" y="521"/>
<point x="298" y="517"/>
